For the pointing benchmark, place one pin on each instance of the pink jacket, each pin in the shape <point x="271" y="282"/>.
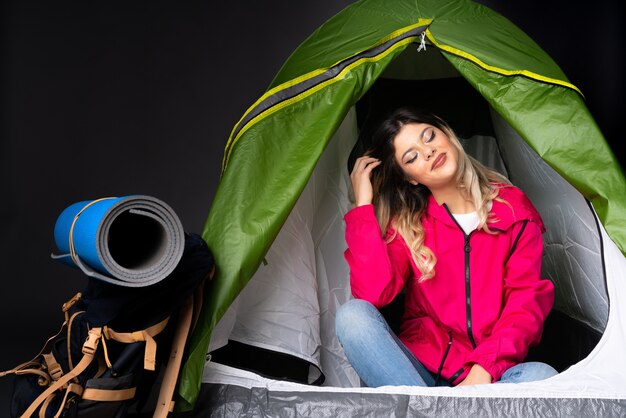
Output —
<point x="486" y="303"/>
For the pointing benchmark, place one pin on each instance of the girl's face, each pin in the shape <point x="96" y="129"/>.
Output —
<point x="426" y="155"/>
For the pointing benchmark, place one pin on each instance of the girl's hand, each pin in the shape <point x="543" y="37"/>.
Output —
<point x="360" y="177"/>
<point x="477" y="376"/>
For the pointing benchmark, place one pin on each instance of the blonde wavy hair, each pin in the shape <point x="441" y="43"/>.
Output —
<point x="400" y="205"/>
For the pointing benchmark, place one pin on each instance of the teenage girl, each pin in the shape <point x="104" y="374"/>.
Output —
<point x="465" y="245"/>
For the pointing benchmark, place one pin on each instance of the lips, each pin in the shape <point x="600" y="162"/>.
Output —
<point x="439" y="161"/>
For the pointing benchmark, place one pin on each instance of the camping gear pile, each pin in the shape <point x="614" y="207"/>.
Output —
<point x="123" y="336"/>
<point x="277" y="229"/>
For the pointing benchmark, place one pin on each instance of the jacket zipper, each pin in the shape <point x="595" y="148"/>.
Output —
<point x="443" y="359"/>
<point x="468" y="300"/>
<point x="467" y="248"/>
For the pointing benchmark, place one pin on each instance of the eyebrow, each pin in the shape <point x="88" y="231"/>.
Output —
<point x="421" y="136"/>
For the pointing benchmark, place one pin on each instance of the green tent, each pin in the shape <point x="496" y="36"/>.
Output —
<point x="276" y="146"/>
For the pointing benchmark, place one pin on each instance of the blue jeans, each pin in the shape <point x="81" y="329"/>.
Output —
<point x="380" y="358"/>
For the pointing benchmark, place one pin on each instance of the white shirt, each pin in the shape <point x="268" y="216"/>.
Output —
<point x="469" y="221"/>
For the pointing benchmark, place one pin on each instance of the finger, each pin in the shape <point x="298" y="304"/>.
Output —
<point x="368" y="169"/>
<point x="365" y="159"/>
<point x="361" y="163"/>
<point x="365" y="162"/>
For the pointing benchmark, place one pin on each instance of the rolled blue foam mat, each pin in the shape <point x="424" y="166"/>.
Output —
<point x="131" y="241"/>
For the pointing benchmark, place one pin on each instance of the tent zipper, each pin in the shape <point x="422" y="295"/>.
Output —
<point x="295" y="90"/>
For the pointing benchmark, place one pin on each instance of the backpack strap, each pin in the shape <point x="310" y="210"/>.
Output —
<point x="170" y="376"/>
<point x="188" y="317"/>
<point x="69" y="322"/>
<point x="71" y="388"/>
<point x="89" y="350"/>
<point x="45" y="405"/>
<point x="92" y="394"/>
<point x="32" y="366"/>
<point x="54" y="368"/>
<point x="149" y="360"/>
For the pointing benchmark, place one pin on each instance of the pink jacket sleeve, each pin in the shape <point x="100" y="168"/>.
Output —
<point x="527" y="301"/>
<point x="378" y="270"/>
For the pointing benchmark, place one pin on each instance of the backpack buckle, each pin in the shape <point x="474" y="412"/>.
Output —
<point x="91" y="343"/>
<point x="67" y="305"/>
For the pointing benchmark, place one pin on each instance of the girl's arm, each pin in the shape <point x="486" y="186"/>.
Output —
<point x="378" y="270"/>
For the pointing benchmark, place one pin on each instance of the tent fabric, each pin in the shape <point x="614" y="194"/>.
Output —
<point x="275" y="148"/>
<point x="276" y="98"/>
<point x="462" y="25"/>
<point x="587" y="381"/>
<point x="580" y="256"/>
<point x="293" y="313"/>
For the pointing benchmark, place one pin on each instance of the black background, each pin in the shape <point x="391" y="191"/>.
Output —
<point x="101" y="99"/>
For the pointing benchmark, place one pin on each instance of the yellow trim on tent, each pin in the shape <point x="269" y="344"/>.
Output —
<point x="498" y="70"/>
<point x="232" y="141"/>
<point x="421" y="22"/>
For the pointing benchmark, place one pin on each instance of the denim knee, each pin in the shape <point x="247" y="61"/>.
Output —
<point x="353" y="319"/>
<point x="542" y="371"/>
<point x="528" y="372"/>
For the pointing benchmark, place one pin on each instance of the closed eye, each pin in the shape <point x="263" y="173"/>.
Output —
<point x="411" y="157"/>
<point x="429" y="134"/>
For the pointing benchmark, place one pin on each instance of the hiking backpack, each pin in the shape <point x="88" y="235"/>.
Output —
<point x="119" y="349"/>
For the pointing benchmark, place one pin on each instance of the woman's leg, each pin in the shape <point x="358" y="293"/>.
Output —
<point x="528" y="372"/>
<point x="375" y="352"/>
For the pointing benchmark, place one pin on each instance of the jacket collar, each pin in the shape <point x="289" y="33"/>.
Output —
<point x="516" y="208"/>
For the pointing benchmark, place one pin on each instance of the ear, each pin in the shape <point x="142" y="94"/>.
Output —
<point x="413" y="182"/>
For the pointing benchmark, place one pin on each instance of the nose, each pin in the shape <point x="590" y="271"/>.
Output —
<point x="431" y="153"/>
